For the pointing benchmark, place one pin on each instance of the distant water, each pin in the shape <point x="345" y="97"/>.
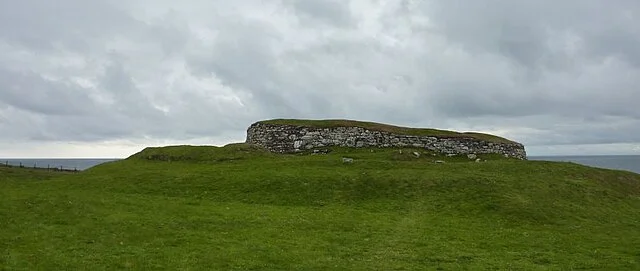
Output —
<point x="623" y="162"/>
<point x="79" y="164"/>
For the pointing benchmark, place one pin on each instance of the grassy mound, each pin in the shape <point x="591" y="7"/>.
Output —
<point x="235" y="151"/>
<point x="239" y="208"/>
<point x="386" y="128"/>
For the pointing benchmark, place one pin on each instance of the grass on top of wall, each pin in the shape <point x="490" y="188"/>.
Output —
<point x="332" y="123"/>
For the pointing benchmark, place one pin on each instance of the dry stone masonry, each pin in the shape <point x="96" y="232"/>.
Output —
<point x="291" y="138"/>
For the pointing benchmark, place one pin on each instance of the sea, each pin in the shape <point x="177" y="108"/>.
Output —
<point x="622" y="162"/>
<point x="70" y="164"/>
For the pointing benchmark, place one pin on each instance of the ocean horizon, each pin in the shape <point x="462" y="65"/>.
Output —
<point x="64" y="163"/>
<point x="618" y="162"/>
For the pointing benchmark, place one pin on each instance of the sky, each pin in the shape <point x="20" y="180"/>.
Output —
<point x="107" y="78"/>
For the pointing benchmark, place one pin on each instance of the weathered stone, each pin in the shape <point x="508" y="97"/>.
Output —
<point x="291" y="138"/>
<point x="347" y="160"/>
<point x="417" y="154"/>
<point x="472" y="156"/>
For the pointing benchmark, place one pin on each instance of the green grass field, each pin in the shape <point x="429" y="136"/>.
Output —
<point x="240" y="208"/>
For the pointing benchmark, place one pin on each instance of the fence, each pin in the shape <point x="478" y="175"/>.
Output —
<point x="35" y="166"/>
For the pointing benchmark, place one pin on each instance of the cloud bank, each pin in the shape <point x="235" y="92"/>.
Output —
<point x="106" y="78"/>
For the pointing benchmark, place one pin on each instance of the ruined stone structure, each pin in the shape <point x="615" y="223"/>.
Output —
<point x="282" y="138"/>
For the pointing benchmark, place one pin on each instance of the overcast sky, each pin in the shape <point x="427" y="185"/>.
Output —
<point x="106" y="78"/>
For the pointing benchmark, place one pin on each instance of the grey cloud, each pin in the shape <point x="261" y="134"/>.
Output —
<point x="244" y="59"/>
<point x="622" y="44"/>
<point x="473" y="100"/>
<point x="75" y="24"/>
<point x="544" y="75"/>
<point x="522" y="30"/>
<point x="540" y="72"/>
<point x="579" y="97"/>
<point x="327" y="11"/>
<point x="127" y="98"/>
<point x="558" y="129"/>
<point x="30" y="91"/>
<point x="171" y="31"/>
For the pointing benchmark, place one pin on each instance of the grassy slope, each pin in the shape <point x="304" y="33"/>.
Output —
<point x="386" y="128"/>
<point x="387" y="211"/>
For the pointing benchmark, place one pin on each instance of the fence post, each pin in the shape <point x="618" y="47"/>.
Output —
<point x="21" y="165"/>
<point x="34" y="165"/>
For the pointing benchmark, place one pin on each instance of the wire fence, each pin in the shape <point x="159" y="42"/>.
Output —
<point x="49" y="167"/>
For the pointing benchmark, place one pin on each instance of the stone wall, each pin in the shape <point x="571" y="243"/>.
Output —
<point x="289" y="139"/>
